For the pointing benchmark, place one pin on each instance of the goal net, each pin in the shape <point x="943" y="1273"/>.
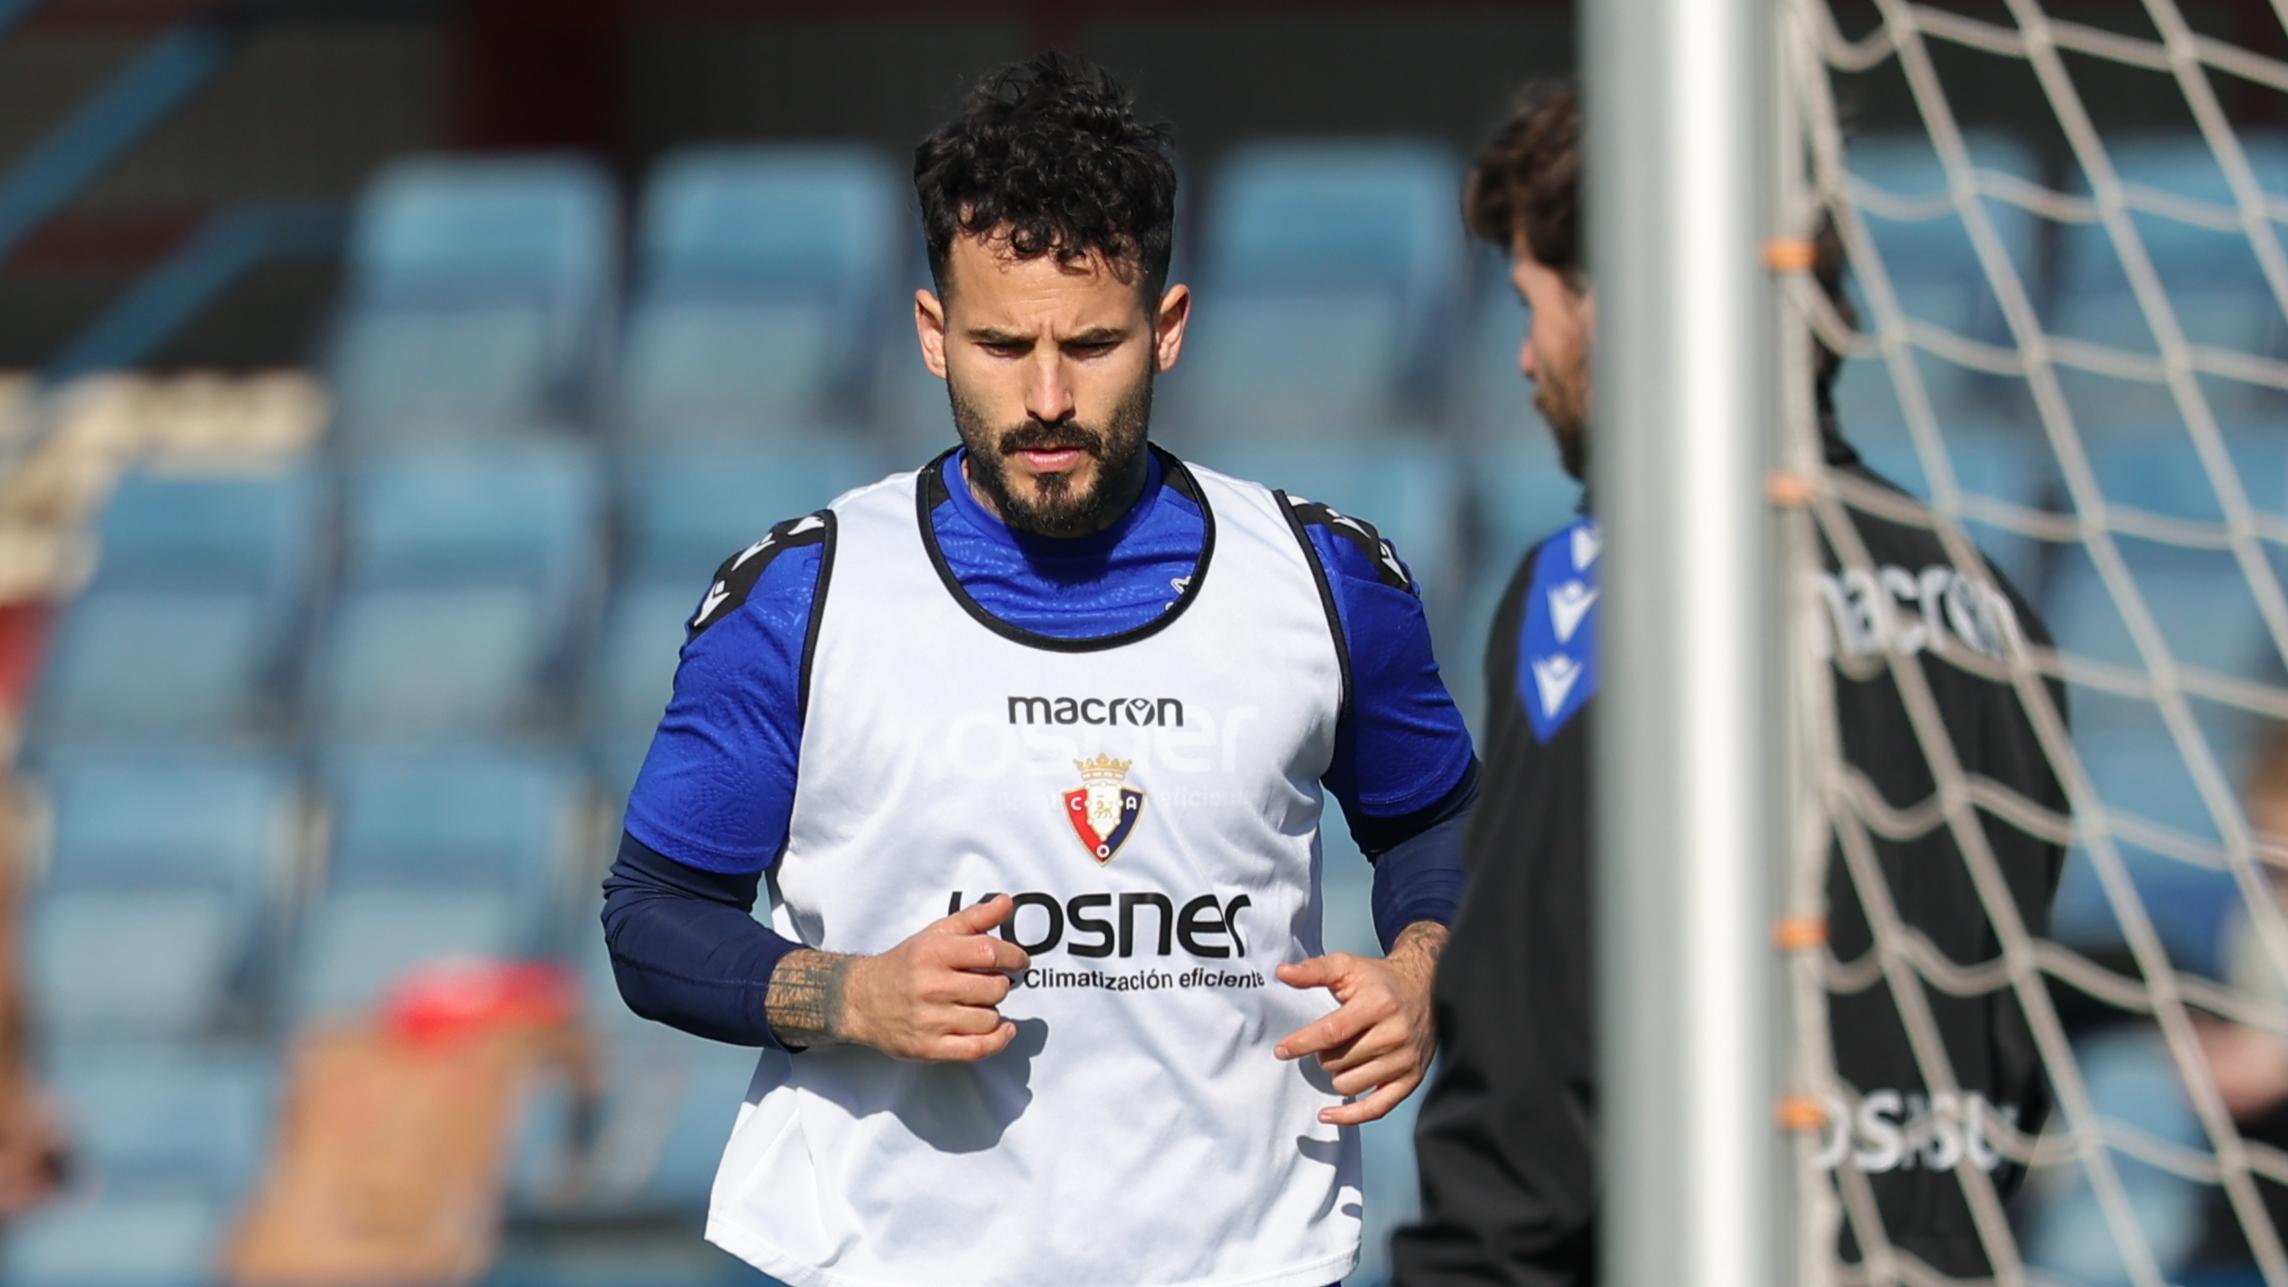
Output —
<point x="2066" y="230"/>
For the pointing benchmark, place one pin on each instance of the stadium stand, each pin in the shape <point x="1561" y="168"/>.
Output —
<point x="469" y="576"/>
<point x="222" y="569"/>
<point x="188" y="855"/>
<point x="1327" y="290"/>
<point x="447" y="631"/>
<point x="765" y="286"/>
<point x="437" y="853"/>
<point x="481" y="298"/>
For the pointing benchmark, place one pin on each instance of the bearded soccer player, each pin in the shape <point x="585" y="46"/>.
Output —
<point x="1506" y="1140"/>
<point x="1031" y="743"/>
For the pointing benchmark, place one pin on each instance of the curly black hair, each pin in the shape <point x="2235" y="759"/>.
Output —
<point x="1048" y="154"/>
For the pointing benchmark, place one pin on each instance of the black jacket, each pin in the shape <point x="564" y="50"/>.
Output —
<point x="1506" y="1140"/>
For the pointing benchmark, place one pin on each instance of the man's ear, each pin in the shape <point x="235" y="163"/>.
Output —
<point x="929" y="328"/>
<point x="1168" y="326"/>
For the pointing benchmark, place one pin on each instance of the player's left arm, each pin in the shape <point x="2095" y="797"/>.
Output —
<point x="1406" y="776"/>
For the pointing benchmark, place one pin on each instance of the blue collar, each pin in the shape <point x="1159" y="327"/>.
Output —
<point x="1032" y="543"/>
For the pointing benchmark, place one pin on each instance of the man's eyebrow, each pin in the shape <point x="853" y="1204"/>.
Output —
<point x="1098" y="335"/>
<point x="995" y="335"/>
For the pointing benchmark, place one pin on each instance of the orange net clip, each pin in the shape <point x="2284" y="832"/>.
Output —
<point x="1790" y="254"/>
<point x="1801" y="1113"/>
<point x="1799" y="933"/>
<point x="1787" y="490"/>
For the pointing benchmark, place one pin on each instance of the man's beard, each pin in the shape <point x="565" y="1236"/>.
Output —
<point x="1056" y="508"/>
<point x="1564" y="404"/>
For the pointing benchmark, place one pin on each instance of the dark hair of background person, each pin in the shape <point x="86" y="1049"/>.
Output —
<point x="1049" y="154"/>
<point x="1527" y="179"/>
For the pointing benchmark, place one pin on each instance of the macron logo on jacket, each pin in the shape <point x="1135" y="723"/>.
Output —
<point x="1557" y="649"/>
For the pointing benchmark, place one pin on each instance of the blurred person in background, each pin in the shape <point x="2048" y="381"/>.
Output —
<point x="35" y="1152"/>
<point x="2250" y="1063"/>
<point x="1030" y="744"/>
<point x="2188" y="1228"/>
<point x="1507" y="1137"/>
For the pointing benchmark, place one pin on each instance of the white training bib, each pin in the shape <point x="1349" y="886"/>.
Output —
<point x="1152" y="802"/>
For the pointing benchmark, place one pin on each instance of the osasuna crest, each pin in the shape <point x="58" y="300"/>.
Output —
<point x="1103" y="811"/>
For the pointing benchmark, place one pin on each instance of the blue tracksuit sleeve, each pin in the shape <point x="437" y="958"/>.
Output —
<point x="717" y="788"/>
<point x="711" y="806"/>
<point x="686" y="948"/>
<point x="1403" y="768"/>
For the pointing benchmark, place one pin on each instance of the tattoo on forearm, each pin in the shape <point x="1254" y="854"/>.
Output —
<point x="804" y="1003"/>
<point x="1426" y="937"/>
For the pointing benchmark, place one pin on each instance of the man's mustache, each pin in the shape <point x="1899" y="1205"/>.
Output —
<point x="1036" y="436"/>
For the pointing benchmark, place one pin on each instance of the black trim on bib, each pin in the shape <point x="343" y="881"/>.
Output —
<point x="1294" y="510"/>
<point x="817" y="614"/>
<point x="1360" y="534"/>
<point x="929" y="493"/>
<point x="735" y="578"/>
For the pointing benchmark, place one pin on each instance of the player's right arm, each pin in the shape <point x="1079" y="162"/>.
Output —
<point x="709" y="814"/>
<point x="931" y="997"/>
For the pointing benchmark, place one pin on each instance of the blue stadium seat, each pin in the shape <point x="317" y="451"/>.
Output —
<point x="154" y="1238"/>
<point x="475" y="370"/>
<point x="2136" y="1089"/>
<point x="635" y="670"/>
<point x="467" y="575"/>
<point x="479" y="295"/>
<point x="195" y="1116"/>
<point x="434" y="854"/>
<point x="766" y="287"/>
<point x="180" y="854"/>
<point x="1519" y="495"/>
<point x="1492" y="400"/>
<point x="464" y="816"/>
<point x="912" y="415"/>
<point x="1926" y="248"/>
<point x="2146" y="778"/>
<point x="1867" y="401"/>
<point x="614" y="760"/>
<point x="2212" y="277"/>
<point x="2200" y="601"/>
<point x="357" y="943"/>
<point x="1331" y="278"/>
<point x="668" y="1100"/>
<point x="1989" y="460"/>
<point x="534" y="226"/>
<point x="2164" y="474"/>
<point x="1410" y="491"/>
<point x="2203" y="602"/>
<point x="253" y="529"/>
<point x="682" y="513"/>
<point x="1930" y="260"/>
<point x="168" y="1139"/>
<point x="218" y="566"/>
<point x="667" y="1108"/>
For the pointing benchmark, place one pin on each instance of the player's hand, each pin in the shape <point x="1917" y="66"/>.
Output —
<point x="933" y="997"/>
<point x="1382" y="1037"/>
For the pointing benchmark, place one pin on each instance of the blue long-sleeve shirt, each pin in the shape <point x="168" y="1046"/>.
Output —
<point x="711" y="807"/>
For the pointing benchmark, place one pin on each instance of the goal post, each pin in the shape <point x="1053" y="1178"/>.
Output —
<point x="1681" y="112"/>
<point x="2071" y="346"/>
